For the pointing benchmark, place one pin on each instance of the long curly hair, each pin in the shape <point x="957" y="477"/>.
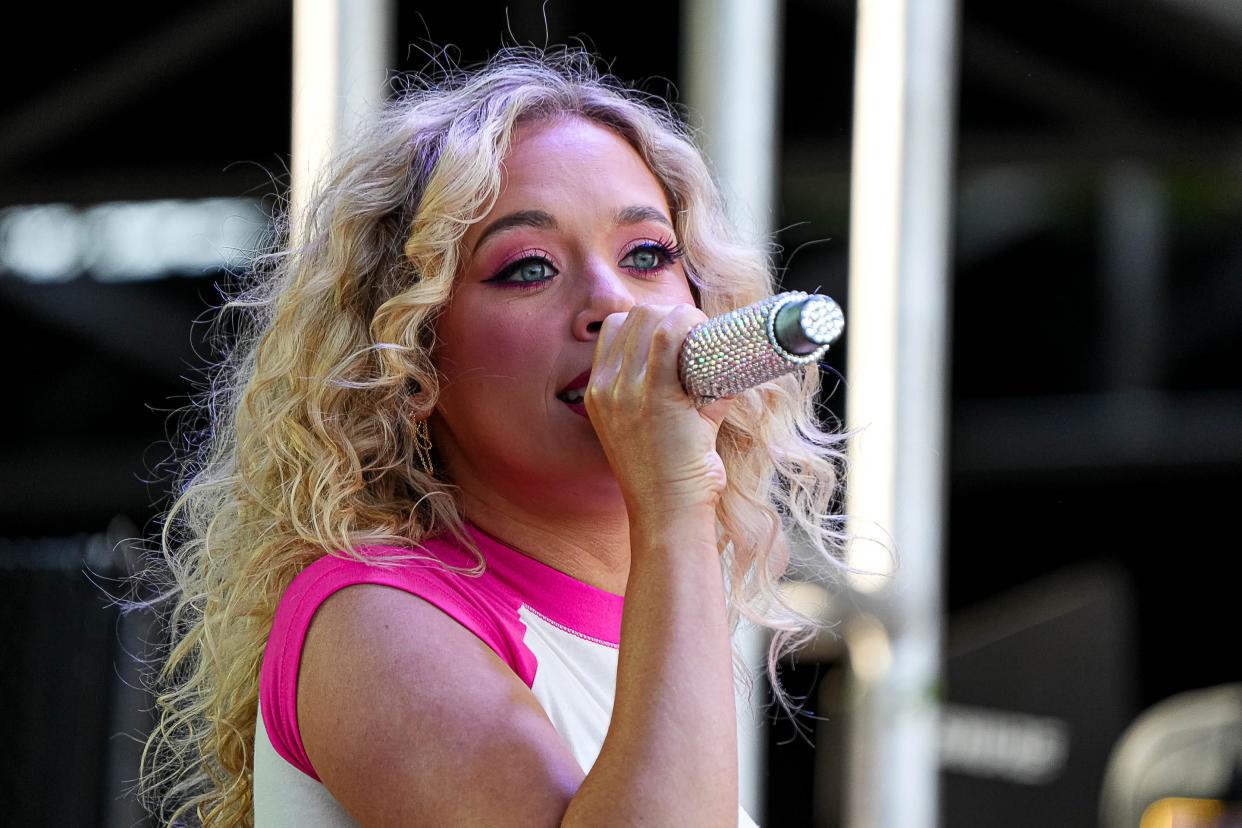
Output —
<point x="311" y="447"/>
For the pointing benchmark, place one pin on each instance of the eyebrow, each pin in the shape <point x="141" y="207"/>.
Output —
<point x="634" y="214"/>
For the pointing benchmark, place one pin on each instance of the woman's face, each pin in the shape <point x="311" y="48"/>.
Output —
<point x="581" y="229"/>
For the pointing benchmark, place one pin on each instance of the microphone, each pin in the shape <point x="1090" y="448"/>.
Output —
<point x="760" y="342"/>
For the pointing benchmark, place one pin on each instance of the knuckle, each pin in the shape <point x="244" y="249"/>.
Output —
<point x="678" y="323"/>
<point x="595" y="394"/>
<point x="642" y="312"/>
<point x="667" y="333"/>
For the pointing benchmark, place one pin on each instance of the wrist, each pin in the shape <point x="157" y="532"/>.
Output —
<point x="658" y="506"/>
<point x="687" y="525"/>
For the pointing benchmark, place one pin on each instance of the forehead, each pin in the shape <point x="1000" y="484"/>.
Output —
<point x="575" y="157"/>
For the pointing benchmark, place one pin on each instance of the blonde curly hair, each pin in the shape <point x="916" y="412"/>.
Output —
<point x="311" y="448"/>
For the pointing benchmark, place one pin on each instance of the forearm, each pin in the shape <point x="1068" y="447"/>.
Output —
<point x="670" y="756"/>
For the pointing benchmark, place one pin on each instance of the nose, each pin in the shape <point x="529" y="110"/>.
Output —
<point x="605" y="291"/>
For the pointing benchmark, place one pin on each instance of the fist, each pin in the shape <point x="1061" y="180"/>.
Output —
<point x="662" y="448"/>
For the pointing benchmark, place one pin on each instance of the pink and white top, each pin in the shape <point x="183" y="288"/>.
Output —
<point x="558" y="634"/>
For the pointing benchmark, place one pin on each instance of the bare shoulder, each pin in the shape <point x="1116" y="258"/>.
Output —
<point x="408" y="718"/>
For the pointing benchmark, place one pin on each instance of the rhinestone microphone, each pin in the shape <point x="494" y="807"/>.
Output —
<point x="760" y="342"/>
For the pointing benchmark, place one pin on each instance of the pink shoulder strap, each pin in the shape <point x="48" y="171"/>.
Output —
<point x="474" y="603"/>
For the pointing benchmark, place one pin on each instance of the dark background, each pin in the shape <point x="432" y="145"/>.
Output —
<point x="1096" y="407"/>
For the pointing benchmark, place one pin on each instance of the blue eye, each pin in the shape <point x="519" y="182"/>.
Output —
<point x="531" y="271"/>
<point x="645" y="258"/>
<point x="526" y="272"/>
<point x="651" y="256"/>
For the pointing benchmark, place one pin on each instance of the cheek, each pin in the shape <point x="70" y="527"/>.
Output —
<point x="679" y="290"/>
<point x="491" y="353"/>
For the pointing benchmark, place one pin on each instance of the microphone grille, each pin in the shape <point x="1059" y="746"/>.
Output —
<point x="822" y="319"/>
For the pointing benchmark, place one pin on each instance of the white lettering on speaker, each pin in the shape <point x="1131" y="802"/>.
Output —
<point x="998" y="744"/>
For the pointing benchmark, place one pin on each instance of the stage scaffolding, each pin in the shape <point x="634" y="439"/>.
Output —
<point x="897" y="375"/>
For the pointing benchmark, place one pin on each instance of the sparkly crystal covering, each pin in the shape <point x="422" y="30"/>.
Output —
<point x="730" y="353"/>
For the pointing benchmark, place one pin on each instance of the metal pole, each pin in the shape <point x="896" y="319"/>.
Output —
<point x="731" y="70"/>
<point x="342" y="50"/>
<point x="898" y="310"/>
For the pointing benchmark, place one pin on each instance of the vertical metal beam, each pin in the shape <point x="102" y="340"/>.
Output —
<point x="730" y="68"/>
<point x="898" y="310"/>
<point x="342" y="50"/>
<point x="1135" y="227"/>
<point x="732" y="72"/>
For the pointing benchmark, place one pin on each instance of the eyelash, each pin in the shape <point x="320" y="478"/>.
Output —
<point x="669" y="251"/>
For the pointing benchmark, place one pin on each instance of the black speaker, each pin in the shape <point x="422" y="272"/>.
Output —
<point x="76" y="710"/>
<point x="1040" y="684"/>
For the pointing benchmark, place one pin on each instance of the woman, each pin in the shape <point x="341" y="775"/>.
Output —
<point x="452" y="553"/>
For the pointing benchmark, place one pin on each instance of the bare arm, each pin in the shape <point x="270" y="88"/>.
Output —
<point x="410" y="719"/>
<point x="670" y="757"/>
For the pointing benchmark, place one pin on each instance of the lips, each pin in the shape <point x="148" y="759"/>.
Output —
<point x="576" y="383"/>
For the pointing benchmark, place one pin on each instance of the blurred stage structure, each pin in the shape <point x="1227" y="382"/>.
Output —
<point x="72" y="679"/>
<point x="729" y="64"/>
<point x="1179" y="764"/>
<point x="1044" y="198"/>
<point x="905" y="71"/>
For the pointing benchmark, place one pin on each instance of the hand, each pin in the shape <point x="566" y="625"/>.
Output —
<point x="661" y="447"/>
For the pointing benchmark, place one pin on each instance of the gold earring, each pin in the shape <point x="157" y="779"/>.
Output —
<point x="422" y="446"/>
